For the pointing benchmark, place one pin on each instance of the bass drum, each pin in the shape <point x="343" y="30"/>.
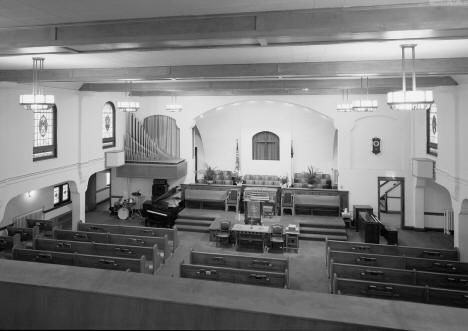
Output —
<point x="123" y="213"/>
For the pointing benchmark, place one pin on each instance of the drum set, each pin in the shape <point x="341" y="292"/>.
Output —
<point x="128" y="208"/>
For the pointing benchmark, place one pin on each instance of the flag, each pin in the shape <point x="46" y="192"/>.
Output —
<point x="237" y="167"/>
<point x="292" y="150"/>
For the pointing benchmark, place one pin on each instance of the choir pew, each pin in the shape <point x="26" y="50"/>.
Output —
<point x="81" y="260"/>
<point x="93" y="248"/>
<point x="398" y="276"/>
<point x="25" y="233"/>
<point x="382" y="290"/>
<point x="398" y="262"/>
<point x="171" y="234"/>
<point x="115" y="239"/>
<point x="428" y="253"/>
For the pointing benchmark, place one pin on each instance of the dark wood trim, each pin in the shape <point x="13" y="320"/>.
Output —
<point x="101" y="202"/>
<point x="433" y="213"/>
<point x="103" y="189"/>
<point x="57" y="206"/>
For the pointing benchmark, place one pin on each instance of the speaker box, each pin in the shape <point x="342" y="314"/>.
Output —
<point x="160" y="187"/>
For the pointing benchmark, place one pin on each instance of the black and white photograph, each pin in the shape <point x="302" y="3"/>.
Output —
<point x="234" y="164"/>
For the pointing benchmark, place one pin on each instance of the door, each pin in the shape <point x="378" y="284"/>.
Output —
<point x="391" y="201"/>
<point x="91" y="194"/>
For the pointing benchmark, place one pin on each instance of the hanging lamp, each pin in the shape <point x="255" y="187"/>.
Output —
<point x="37" y="100"/>
<point x="345" y="106"/>
<point x="365" y="105"/>
<point x="128" y="106"/>
<point x="413" y="99"/>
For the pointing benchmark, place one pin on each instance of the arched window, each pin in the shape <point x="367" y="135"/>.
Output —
<point x="45" y="134"/>
<point x="265" y="146"/>
<point x="108" y="125"/>
<point x="432" y="130"/>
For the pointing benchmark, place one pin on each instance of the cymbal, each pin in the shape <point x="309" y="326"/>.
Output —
<point x="136" y="194"/>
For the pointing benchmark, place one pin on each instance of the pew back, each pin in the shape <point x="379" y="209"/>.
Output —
<point x="144" y="231"/>
<point x="92" y="248"/>
<point x="115" y="239"/>
<point x="234" y="275"/>
<point x="357" y="247"/>
<point x="239" y="261"/>
<point x="25" y="233"/>
<point x="398" y="262"/>
<point x="399" y="276"/>
<point x="81" y="260"/>
<point x="7" y="242"/>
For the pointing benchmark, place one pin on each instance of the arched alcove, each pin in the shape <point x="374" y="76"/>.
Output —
<point x="301" y="129"/>
<point x="436" y="200"/>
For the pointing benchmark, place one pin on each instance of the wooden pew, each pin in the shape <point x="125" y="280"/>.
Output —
<point x="81" y="260"/>
<point x="25" y="233"/>
<point x="7" y="242"/>
<point x="398" y="262"/>
<point x="115" y="239"/>
<point x="241" y="262"/>
<point x="424" y="294"/>
<point x="144" y="231"/>
<point x="234" y="275"/>
<point x="44" y="225"/>
<point x="92" y="248"/>
<point x="428" y="253"/>
<point x="399" y="276"/>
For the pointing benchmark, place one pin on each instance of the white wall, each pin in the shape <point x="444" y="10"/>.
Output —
<point x="23" y="204"/>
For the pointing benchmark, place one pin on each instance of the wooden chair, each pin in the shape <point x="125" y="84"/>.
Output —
<point x="277" y="237"/>
<point x="287" y="202"/>
<point x="267" y="211"/>
<point x="232" y="200"/>
<point x="223" y="237"/>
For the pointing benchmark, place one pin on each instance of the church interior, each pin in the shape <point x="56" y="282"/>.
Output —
<point x="207" y="164"/>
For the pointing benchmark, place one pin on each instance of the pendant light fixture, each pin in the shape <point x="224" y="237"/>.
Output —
<point x="413" y="99"/>
<point x="345" y="106"/>
<point x="37" y="100"/>
<point x="174" y="107"/>
<point x="128" y="106"/>
<point x="363" y="105"/>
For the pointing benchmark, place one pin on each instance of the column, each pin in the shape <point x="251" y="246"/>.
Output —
<point x="78" y="198"/>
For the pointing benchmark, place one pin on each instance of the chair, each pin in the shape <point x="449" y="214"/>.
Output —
<point x="287" y="202"/>
<point x="253" y="214"/>
<point x="232" y="200"/>
<point x="224" y="234"/>
<point x="267" y="210"/>
<point x="277" y="237"/>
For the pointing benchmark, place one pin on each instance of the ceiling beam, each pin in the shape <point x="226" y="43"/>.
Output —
<point x="382" y="68"/>
<point x="318" y="86"/>
<point x="317" y="26"/>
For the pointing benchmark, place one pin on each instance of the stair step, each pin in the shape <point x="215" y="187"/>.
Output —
<point x="193" y="222"/>
<point x="190" y="228"/>
<point x="322" y="225"/>
<point x="341" y="232"/>
<point x="196" y="217"/>
<point x="321" y="237"/>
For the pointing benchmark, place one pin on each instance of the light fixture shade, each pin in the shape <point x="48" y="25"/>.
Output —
<point x="344" y="107"/>
<point x="174" y="107"/>
<point x="410" y="100"/>
<point x="364" y="105"/>
<point x="37" y="101"/>
<point x="128" y="106"/>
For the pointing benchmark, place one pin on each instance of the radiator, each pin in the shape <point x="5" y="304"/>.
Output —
<point x="448" y="221"/>
<point x="19" y="221"/>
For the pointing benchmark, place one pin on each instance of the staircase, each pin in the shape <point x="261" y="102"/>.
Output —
<point x="319" y="231"/>
<point x="193" y="223"/>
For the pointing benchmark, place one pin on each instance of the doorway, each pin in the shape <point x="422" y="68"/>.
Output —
<point x="391" y="201"/>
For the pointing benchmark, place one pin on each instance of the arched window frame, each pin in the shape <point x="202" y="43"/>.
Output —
<point x="265" y="146"/>
<point x="45" y="134"/>
<point x="108" y="135"/>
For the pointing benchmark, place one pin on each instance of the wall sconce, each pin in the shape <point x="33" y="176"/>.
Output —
<point x="29" y="194"/>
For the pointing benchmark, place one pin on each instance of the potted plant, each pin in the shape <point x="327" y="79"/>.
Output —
<point x="311" y="177"/>
<point x="209" y="175"/>
<point x="284" y="181"/>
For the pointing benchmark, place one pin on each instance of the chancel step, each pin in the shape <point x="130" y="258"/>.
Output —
<point x="328" y="225"/>
<point x="196" y="217"/>
<point x="196" y="222"/>
<point x="192" y="228"/>
<point x="330" y="231"/>
<point x="321" y="237"/>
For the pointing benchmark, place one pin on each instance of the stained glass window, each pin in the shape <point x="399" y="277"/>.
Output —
<point x="265" y="146"/>
<point x="45" y="134"/>
<point x="432" y="130"/>
<point x="61" y="193"/>
<point x="108" y="125"/>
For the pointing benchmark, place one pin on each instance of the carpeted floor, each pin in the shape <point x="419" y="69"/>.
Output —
<point x="307" y="268"/>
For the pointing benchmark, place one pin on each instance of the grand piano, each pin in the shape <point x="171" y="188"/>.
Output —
<point x="162" y="211"/>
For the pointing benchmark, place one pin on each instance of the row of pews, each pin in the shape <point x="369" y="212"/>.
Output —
<point x="104" y="246"/>
<point x="433" y="276"/>
<point x="243" y="269"/>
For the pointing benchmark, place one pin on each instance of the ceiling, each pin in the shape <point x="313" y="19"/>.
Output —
<point x="261" y="47"/>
